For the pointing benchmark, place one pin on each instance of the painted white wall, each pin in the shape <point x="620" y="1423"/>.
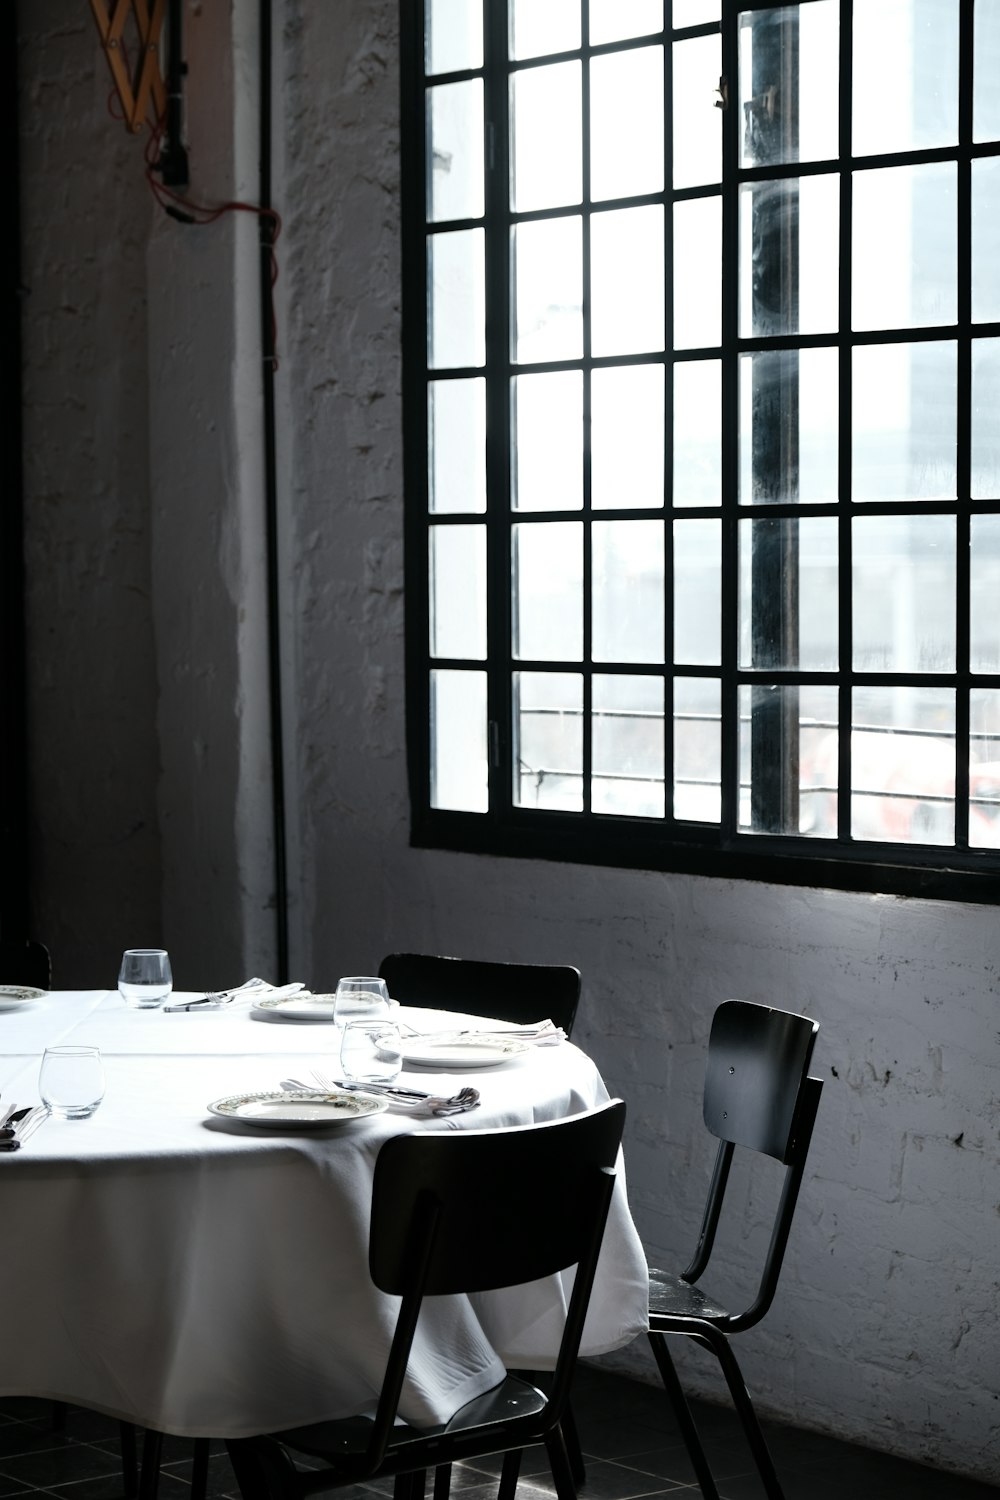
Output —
<point x="885" y="1326"/>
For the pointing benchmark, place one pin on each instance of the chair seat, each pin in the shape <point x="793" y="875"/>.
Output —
<point x="670" y="1297"/>
<point x="481" y="1426"/>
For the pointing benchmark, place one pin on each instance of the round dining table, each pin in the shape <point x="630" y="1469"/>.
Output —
<point x="205" y="1277"/>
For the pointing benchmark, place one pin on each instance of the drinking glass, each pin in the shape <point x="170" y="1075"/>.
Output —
<point x="145" y="980"/>
<point x="71" y="1081"/>
<point x="370" y="1051"/>
<point x="360" y="995"/>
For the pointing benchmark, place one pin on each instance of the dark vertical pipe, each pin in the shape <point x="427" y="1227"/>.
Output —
<point x="13" y="745"/>
<point x="267" y="226"/>
<point x="173" y="163"/>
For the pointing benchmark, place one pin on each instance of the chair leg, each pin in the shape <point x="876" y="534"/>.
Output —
<point x="573" y="1448"/>
<point x="442" y="1482"/>
<point x="130" y="1466"/>
<point x="721" y="1348"/>
<point x="685" y="1421"/>
<point x="509" y="1473"/>
<point x="562" y="1470"/>
<point x="149" y="1473"/>
<point x="199" y="1469"/>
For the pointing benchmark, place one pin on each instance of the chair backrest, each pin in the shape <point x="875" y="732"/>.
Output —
<point x="516" y="992"/>
<point x="476" y="1210"/>
<point x="758" y="1059"/>
<point x="758" y="1095"/>
<point x="25" y="963"/>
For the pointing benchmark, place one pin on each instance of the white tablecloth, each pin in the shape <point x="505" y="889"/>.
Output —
<point x="211" y="1279"/>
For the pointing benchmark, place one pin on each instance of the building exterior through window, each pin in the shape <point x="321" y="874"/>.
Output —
<point x="702" y="362"/>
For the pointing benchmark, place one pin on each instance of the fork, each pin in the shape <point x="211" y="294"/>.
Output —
<point x="467" y="1098"/>
<point x="29" y="1122"/>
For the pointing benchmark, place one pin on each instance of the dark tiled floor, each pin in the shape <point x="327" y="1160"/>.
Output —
<point x="633" y="1450"/>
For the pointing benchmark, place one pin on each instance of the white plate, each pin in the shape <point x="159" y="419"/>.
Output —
<point x="14" y="996"/>
<point x="460" y="1051"/>
<point x="305" y="1109"/>
<point x="300" y="1007"/>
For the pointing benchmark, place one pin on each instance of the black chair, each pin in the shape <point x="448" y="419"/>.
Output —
<point x="25" y="963"/>
<point x="521" y="993"/>
<point x="449" y="1212"/>
<point x="758" y="1096"/>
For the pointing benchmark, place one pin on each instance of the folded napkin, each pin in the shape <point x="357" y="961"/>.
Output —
<point x="242" y="994"/>
<point x="541" y="1034"/>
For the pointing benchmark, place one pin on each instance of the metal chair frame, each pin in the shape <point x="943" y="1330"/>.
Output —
<point x="759" y="1096"/>
<point x="448" y="1212"/>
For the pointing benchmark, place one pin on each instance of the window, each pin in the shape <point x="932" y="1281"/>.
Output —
<point x="702" y="402"/>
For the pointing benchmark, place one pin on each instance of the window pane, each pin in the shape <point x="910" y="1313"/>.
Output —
<point x="626" y="260"/>
<point x="627" y="746"/>
<point x="698" y="273"/>
<point x="697" y="750"/>
<point x="801" y="43"/>
<point x="537" y="29"/>
<point x="456" y="325"/>
<point x="548" y="754"/>
<point x="788" y="593"/>
<point x="547" y="456"/>
<point x="904" y="258"/>
<point x="456" y="419"/>
<point x="984" y="643"/>
<point x="697" y="124"/>
<point x="697" y="592"/>
<point x="789" y="426"/>
<point x="985" y="419"/>
<point x="458" y="591"/>
<point x="549" y="300"/>
<point x="546" y="131"/>
<point x="788" y="759"/>
<point x="548" y="591"/>
<point x="904" y="414"/>
<point x="986" y="69"/>
<point x="904" y="593"/>
<point x="697" y="446"/>
<point x="905" y="75"/>
<point x="695" y="12"/>
<point x="627" y="591"/>
<point x="986" y="240"/>
<point x="611" y="20"/>
<point x="459" y="767"/>
<point x="626" y="436"/>
<point x="788" y="256"/>
<point x="903" y="765"/>
<point x="984" y="769"/>
<point x="456" y="151"/>
<point x="626" y="123"/>
<point x="453" y="35"/>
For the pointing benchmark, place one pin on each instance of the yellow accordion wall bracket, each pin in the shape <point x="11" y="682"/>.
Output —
<point x="140" y="87"/>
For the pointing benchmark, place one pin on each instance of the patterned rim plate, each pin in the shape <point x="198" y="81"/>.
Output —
<point x="300" y="1007"/>
<point x="303" y="1109"/>
<point x="13" y="996"/>
<point x="461" y="1052"/>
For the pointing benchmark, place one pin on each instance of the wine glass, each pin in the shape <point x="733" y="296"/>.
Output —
<point x="360" y="995"/>
<point x="144" y="979"/>
<point x="71" y="1081"/>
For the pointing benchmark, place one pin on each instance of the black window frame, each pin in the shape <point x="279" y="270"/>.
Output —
<point x="938" y="872"/>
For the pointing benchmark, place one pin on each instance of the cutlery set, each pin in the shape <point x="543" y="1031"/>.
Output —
<point x="17" y="1125"/>
<point x="217" y="998"/>
<point x="456" y="1104"/>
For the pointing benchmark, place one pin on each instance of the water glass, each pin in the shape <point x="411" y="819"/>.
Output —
<point x="71" y="1081"/>
<point x="360" y="995"/>
<point x="145" y="980"/>
<point x="370" y="1051"/>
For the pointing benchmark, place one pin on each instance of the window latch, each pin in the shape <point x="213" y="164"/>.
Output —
<point x="723" y="92"/>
